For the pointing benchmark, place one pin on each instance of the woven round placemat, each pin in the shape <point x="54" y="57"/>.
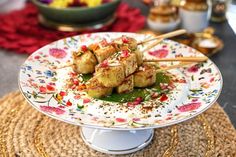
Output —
<point x="26" y="132"/>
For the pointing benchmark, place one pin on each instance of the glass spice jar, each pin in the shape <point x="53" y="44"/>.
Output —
<point x="194" y="15"/>
<point x="218" y="10"/>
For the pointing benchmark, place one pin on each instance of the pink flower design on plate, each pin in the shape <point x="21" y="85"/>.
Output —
<point x="161" y="53"/>
<point x="50" y="109"/>
<point x="57" y="53"/>
<point x="193" y="69"/>
<point x="36" y="57"/>
<point x="120" y="120"/>
<point x="86" y="100"/>
<point x="42" y="89"/>
<point x="136" y="119"/>
<point x="189" y="107"/>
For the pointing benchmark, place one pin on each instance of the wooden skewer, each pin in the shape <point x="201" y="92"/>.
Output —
<point x="165" y="36"/>
<point x="182" y="64"/>
<point x="64" y="66"/>
<point x="178" y="59"/>
<point x="183" y="59"/>
<point x="152" y="45"/>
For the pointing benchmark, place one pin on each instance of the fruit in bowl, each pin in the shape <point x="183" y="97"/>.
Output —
<point x="74" y="3"/>
<point x="76" y="11"/>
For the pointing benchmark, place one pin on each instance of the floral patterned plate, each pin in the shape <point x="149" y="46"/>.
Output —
<point x="195" y="88"/>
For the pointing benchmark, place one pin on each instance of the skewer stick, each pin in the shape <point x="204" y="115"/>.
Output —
<point x="165" y="36"/>
<point x="152" y="45"/>
<point x="182" y="64"/>
<point x="183" y="59"/>
<point x="65" y="66"/>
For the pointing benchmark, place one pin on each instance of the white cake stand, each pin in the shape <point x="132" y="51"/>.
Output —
<point x="106" y="126"/>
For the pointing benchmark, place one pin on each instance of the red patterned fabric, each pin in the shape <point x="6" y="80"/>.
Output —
<point x="21" y="32"/>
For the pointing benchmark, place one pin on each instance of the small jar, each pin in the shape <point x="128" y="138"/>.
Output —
<point x="218" y="10"/>
<point x="163" y="18"/>
<point x="206" y="42"/>
<point x="194" y="15"/>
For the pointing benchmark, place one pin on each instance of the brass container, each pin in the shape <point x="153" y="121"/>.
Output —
<point x="195" y="5"/>
<point x="163" y="18"/>
<point x="194" y="15"/>
<point x="207" y="43"/>
<point x="163" y="13"/>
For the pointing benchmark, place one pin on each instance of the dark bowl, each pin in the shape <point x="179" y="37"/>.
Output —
<point x="77" y="14"/>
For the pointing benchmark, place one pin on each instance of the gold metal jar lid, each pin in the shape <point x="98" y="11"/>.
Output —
<point x="195" y="5"/>
<point x="164" y="10"/>
<point x="197" y="1"/>
<point x="163" y="13"/>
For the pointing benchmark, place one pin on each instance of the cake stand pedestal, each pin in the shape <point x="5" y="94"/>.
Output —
<point x="116" y="141"/>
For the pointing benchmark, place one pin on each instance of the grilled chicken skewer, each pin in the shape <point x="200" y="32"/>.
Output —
<point x="124" y="74"/>
<point x="86" y="58"/>
<point x="120" y="65"/>
<point x="119" y="72"/>
<point x="103" y="50"/>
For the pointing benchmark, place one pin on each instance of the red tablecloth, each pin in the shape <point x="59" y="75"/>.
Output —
<point x="21" y="32"/>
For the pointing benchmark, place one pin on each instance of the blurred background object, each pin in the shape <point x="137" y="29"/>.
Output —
<point x="10" y="5"/>
<point x="163" y="17"/>
<point x="69" y="12"/>
<point x="22" y="31"/>
<point x="218" y="10"/>
<point x="206" y="42"/>
<point x="231" y="15"/>
<point x="76" y="15"/>
<point x="166" y="15"/>
<point x="175" y="2"/>
<point x="194" y="15"/>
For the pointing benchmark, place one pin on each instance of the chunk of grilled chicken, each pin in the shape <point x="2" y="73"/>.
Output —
<point x="124" y="43"/>
<point x="102" y="52"/>
<point x="84" y="62"/>
<point x="145" y="76"/>
<point x="129" y="61"/>
<point x="96" y="89"/>
<point x="126" y="86"/>
<point x="139" y="56"/>
<point x="110" y="75"/>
